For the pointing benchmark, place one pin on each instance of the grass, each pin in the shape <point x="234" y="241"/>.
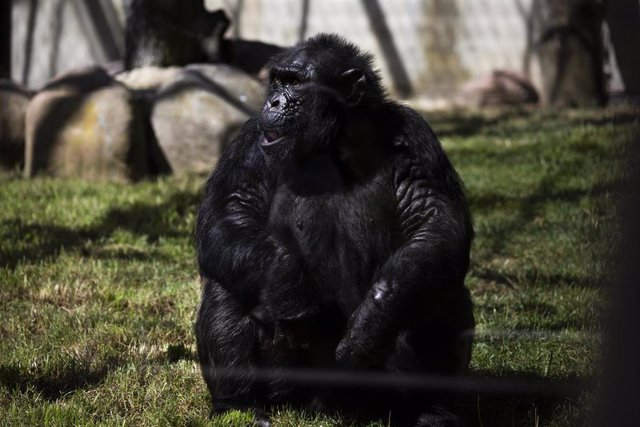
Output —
<point x="98" y="282"/>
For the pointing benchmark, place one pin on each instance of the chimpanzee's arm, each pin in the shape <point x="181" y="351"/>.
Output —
<point x="427" y="269"/>
<point x="233" y="246"/>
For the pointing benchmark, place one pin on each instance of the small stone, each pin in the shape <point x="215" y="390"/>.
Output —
<point x="500" y="88"/>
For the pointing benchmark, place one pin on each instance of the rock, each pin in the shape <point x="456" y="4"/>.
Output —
<point x="500" y="88"/>
<point x="196" y="116"/>
<point x="82" y="124"/>
<point x="144" y="83"/>
<point x="148" y="78"/>
<point x="13" y="108"/>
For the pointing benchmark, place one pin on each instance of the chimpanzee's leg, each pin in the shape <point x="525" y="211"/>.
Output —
<point x="438" y="346"/>
<point x="232" y="340"/>
<point x="229" y="341"/>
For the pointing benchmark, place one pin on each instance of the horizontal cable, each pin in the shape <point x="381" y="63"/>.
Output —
<point x="405" y="381"/>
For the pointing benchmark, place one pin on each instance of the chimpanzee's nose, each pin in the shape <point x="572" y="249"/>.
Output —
<point x="276" y="103"/>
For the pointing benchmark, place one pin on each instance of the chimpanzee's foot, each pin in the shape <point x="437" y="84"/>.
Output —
<point x="261" y="421"/>
<point x="438" y="417"/>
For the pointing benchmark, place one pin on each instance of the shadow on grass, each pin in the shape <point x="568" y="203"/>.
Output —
<point x="527" y="208"/>
<point x="73" y="378"/>
<point x="563" y="396"/>
<point x="33" y="242"/>
<point x="462" y="123"/>
<point x="549" y="187"/>
<point x="528" y="276"/>
<point x="502" y="406"/>
<point x="514" y="399"/>
<point x="513" y="410"/>
<point x="51" y="387"/>
<point x="507" y="122"/>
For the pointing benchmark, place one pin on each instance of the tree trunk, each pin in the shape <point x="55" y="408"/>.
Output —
<point x="5" y="39"/>
<point x="568" y="41"/>
<point x="623" y="17"/>
<point x="172" y="32"/>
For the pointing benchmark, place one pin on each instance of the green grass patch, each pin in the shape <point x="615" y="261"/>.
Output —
<point x="98" y="281"/>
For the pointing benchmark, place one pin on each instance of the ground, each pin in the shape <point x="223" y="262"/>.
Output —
<point x="98" y="281"/>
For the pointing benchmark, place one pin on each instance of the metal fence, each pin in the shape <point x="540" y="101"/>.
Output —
<point x="423" y="48"/>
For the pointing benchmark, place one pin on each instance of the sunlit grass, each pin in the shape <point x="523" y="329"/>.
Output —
<point x="98" y="281"/>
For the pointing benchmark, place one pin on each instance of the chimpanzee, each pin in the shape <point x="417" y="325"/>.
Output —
<point x="333" y="234"/>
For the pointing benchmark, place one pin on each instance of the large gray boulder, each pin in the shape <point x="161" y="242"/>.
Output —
<point x="82" y="124"/>
<point x="196" y="115"/>
<point x="13" y="108"/>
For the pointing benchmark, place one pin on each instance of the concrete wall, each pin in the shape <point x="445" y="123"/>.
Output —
<point x="440" y="43"/>
<point x="52" y="36"/>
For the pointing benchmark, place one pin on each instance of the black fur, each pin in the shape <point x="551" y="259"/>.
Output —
<point x="333" y="233"/>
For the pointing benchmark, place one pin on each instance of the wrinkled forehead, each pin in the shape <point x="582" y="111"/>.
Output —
<point x="294" y="61"/>
<point x="310" y="63"/>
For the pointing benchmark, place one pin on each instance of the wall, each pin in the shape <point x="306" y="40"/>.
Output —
<point x="52" y="36"/>
<point x="423" y="48"/>
<point x="440" y="43"/>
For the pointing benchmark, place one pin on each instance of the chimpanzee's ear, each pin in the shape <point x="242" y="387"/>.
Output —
<point x="354" y="83"/>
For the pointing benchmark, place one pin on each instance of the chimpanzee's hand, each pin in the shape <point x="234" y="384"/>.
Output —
<point x="368" y="340"/>
<point x="288" y="295"/>
<point x="293" y="335"/>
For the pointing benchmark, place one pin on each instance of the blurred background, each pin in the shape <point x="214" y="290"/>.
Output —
<point x="571" y="51"/>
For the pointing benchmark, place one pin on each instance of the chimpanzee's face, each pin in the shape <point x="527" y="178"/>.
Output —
<point x="304" y="105"/>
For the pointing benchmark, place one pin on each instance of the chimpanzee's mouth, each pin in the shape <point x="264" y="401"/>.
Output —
<point x="270" y="138"/>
